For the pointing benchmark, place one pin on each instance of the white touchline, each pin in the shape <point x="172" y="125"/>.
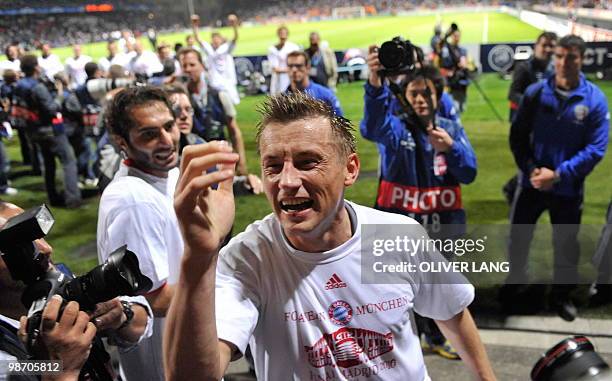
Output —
<point x="485" y="29"/>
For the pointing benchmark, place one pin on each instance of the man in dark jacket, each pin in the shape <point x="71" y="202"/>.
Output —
<point x="559" y="134"/>
<point x="35" y="104"/>
<point x="526" y="73"/>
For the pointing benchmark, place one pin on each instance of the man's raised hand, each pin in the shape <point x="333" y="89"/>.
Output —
<point x="205" y="215"/>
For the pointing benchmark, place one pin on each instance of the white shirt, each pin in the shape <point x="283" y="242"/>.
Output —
<point x="279" y="300"/>
<point x="121" y="59"/>
<point x="13" y="65"/>
<point x="220" y="64"/>
<point x="137" y="209"/>
<point x="146" y="63"/>
<point x="50" y="65"/>
<point x="75" y="68"/>
<point x="3" y="355"/>
<point x="278" y="59"/>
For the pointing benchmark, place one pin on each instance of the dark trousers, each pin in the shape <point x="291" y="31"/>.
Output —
<point x="86" y="151"/>
<point x="4" y="168"/>
<point x="602" y="258"/>
<point x="29" y="151"/>
<point x="565" y="214"/>
<point x="52" y="147"/>
<point x="459" y="95"/>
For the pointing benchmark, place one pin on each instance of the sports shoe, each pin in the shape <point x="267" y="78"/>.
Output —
<point x="445" y="349"/>
<point x="91" y="183"/>
<point x="600" y="295"/>
<point x="9" y="191"/>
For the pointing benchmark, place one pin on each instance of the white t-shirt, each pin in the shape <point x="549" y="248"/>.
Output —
<point x="121" y="59"/>
<point x="146" y="63"/>
<point x="137" y="209"/>
<point x="278" y="59"/>
<point x="221" y="67"/>
<point x="50" y="65"/>
<point x="14" y="65"/>
<point x="75" y="68"/>
<point x="4" y="356"/>
<point x="278" y="300"/>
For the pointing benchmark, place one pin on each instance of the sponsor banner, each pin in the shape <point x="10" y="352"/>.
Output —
<point x="500" y="57"/>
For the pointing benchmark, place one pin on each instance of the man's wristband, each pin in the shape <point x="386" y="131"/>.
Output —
<point x="129" y="314"/>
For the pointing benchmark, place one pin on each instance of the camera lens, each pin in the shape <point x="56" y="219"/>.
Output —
<point x="119" y="275"/>
<point x="571" y="359"/>
<point x="392" y="55"/>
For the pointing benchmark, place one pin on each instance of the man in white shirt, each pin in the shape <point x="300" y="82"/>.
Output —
<point x="290" y="285"/>
<point x="49" y="62"/>
<point x="136" y="208"/>
<point x="277" y="57"/>
<point x="144" y="62"/>
<point x="219" y="60"/>
<point x="12" y="59"/>
<point x="114" y="57"/>
<point x="75" y="67"/>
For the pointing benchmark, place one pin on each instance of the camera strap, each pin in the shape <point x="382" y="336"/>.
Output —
<point x="415" y="126"/>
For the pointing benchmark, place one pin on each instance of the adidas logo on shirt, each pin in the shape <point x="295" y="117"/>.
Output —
<point x="334" y="282"/>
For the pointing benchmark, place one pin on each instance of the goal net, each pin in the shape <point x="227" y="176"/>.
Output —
<point x="348" y="12"/>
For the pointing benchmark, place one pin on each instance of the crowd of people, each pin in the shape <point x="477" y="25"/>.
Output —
<point x="64" y="29"/>
<point x="69" y="29"/>
<point x="157" y="132"/>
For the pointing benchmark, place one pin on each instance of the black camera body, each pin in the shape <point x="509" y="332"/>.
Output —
<point x="397" y="56"/>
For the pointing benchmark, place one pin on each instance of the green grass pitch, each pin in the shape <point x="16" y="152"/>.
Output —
<point x="359" y="33"/>
<point x="483" y="200"/>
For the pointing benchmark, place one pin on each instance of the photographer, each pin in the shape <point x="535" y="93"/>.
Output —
<point x="454" y="66"/>
<point x="214" y="111"/>
<point x="422" y="157"/>
<point x="90" y="131"/>
<point x="64" y="341"/>
<point x="40" y="111"/>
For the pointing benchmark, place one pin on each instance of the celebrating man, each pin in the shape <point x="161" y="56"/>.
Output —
<point x="278" y="269"/>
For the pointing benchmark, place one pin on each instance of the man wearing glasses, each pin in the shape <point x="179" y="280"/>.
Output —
<point x="298" y="65"/>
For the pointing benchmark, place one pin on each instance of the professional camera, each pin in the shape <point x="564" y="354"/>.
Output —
<point x="98" y="87"/>
<point x="119" y="275"/>
<point x="573" y="359"/>
<point x="452" y="29"/>
<point x="397" y="56"/>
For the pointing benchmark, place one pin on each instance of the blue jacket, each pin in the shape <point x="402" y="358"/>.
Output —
<point x="33" y="96"/>
<point x="568" y="136"/>
<point x="425" y="184"/>
<point x="322" y="93"/>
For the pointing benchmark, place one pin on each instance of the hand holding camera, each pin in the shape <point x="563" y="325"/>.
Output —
<point x="48" y="286"/>
<point x="374" y="66"/>
<point x="67" y="338"/>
